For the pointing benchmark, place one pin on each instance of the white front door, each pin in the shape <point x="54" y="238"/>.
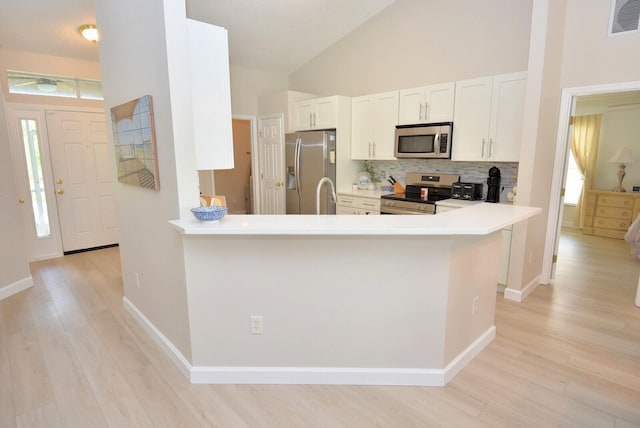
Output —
<point x="271" y="152"/>
<point x="34" y="185"/>
<point x="83" y="179"/>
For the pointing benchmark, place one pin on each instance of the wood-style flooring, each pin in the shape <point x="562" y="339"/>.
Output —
<point x="569" y="356"/>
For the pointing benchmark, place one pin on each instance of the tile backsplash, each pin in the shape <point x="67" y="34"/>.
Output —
<point x="473" y="172"/>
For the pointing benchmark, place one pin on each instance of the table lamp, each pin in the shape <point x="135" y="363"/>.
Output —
<point x="622" y="158"/>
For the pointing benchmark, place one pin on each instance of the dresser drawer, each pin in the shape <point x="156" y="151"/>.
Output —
<point x="613" y="212"/>
<point x="611" y="223"/>
<point x="615" y="201"/>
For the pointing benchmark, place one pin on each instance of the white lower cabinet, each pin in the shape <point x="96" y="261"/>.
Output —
<point x="357" y="205"/>
<point x="444" y="206"/>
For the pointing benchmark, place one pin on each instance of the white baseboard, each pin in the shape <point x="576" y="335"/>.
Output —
<point x="165" y="344"/>
<point x="16" y="287"/>
<point x="520" y="295"/>
<point x="311" y="375"/>
<point x="472" y="351"/>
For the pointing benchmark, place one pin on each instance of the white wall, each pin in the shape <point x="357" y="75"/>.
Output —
<point x="590" y="56"/>
<point x="418" y="42"/>
<point x="248" y="84"/>
<point x="142" y="52"/>
<point x="13" y="251"/>
<point x="577" y="52"/>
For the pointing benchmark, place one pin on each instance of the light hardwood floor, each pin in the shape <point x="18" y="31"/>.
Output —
<point x="70" y="356"/>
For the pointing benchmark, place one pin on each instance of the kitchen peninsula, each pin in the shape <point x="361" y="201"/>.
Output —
<point x="387" y="300"/>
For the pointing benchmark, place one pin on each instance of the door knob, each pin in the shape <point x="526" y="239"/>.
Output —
<point x="279" y="184"/>
<point x="21" y="201"/>
<point x="58" y="181"/>
<point x="60" y="191"/>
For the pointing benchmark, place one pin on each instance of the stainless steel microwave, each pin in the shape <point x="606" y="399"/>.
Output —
<point x="424" y="141"/>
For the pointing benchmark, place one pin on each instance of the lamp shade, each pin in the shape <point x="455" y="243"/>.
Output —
<point x="622" y="156"/>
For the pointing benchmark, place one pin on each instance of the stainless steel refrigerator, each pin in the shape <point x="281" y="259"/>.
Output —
<point x="310" y="155"/>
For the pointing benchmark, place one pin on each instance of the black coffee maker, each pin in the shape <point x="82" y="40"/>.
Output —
<point x="493" y="182"/>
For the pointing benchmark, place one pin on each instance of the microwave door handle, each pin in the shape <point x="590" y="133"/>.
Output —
<point x="436" y="149"/>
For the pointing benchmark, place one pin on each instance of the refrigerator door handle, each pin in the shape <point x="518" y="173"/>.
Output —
<point x="297" y="165"/>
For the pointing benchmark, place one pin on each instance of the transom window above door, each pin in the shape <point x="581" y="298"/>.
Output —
<point x="53" y="86"/>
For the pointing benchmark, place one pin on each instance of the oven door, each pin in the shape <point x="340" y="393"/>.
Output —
<point x="406" y="208"/>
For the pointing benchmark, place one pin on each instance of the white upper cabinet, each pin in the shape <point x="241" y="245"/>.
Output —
<point x="373" y="122"/>
<point x="210" y="95"/>
<point x="488" y="116"/>
<point x="317" y="113"/>
<point x="507" y="115"/>
<point x="426" y="104"/>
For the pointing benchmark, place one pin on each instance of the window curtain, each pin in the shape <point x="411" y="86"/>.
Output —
<point x="584" y="147"/>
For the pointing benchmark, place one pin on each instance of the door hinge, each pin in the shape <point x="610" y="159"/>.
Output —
<point x="261" y="134"/>
<point x="562" y="191"/>
<point x="555" y="258"/>
<point x="571" y="118"/>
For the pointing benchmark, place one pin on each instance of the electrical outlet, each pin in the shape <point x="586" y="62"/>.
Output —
<point x="474" y="305"/>
<point x="256" y="324"/>
<point x="137" y="279"/>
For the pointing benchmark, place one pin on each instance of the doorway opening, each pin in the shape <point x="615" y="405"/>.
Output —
<point x="238" y="184"/>
<point x="615" y="102"/>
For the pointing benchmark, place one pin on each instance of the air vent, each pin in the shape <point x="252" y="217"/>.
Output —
<point x="625" y="16"/>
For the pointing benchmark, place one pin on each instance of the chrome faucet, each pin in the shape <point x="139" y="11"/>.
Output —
<point x="333" y="192"/>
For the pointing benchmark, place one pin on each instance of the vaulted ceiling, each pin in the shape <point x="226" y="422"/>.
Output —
<point x="270" y="35"/>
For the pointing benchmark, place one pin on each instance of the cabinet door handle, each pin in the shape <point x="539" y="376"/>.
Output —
<point x="374" y="150"/>
<point x="426" y="111"/>
<point x="314" y="120"/>
<point x="490" y="147"/>
<point x="420" y="115"/>
<point x="482" y="152"/>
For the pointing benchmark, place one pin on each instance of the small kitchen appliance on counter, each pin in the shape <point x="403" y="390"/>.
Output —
<point x="493" y="182"/>
<point x="466" y="191"/>
<point x="420" y="194"/>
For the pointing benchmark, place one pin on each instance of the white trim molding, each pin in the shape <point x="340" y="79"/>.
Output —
<point x="16" y="287"/>
<point x="165" y="344"/>
<point x="520" y="295"/>
<point x="311" y="375"/>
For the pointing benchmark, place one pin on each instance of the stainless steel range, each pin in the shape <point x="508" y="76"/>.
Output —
<point x="420" y="195"/>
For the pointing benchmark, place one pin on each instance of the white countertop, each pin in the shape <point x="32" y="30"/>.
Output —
<point x="478" y="219"/>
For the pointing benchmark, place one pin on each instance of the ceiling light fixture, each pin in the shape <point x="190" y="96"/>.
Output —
<point x="89" y="32"/>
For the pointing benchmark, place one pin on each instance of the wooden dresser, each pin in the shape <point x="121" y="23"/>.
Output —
<point x="610" y="214"/>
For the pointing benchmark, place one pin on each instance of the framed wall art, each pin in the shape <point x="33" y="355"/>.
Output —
<point x="135" y="143"/>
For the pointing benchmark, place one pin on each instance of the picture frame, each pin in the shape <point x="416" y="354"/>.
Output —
<point x="135" y="143"/>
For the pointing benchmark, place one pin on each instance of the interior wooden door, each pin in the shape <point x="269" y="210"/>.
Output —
<point x="271" y="147"/>
<point x="83" y="178"/>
